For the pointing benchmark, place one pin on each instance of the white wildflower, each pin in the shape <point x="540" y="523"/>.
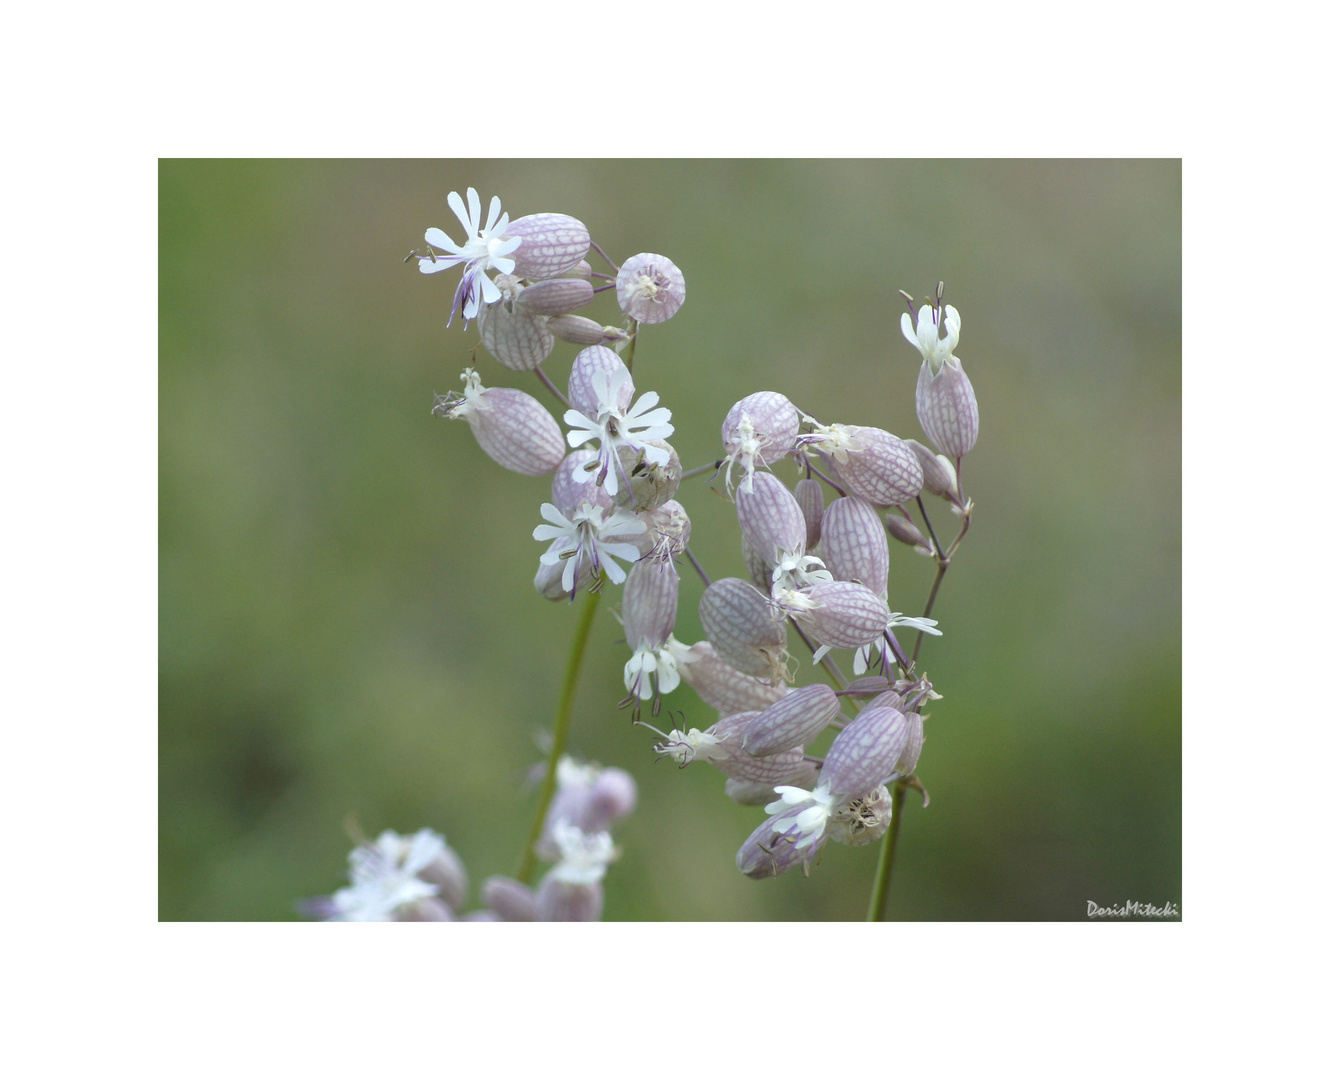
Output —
<point x="583" y="857"/>
<point x="591" y="541"/>
<point x="484" y="249"/>
<point x="934" y="349"/>
<point x="611" y="427"/>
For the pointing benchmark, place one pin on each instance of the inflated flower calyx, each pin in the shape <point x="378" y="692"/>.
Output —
<point x="839" y="614"/>
<point x="745" y="628"/>
<point x="551" y="244"/>
<point x="649" y="484"/>
<point x="793" y="721"/>
<point x="760" y="570"/>
<point x="649" y="287"/>
<point x="580" y="330"/>
<point x="582" y="270"/>
<point x="510" y="426"/>
<point x="810" y="499"/>
<point x="906" y="764"/>
<point x="559" y="901"/>
<point x="650" y="601"/>
<point x="549" y="577"/>
<point x="758" y="430"/>
<point x="937" y="471"/>
<point x="510" y="900"/>
<point x="880" y="469"/>
<point x="855" y="548"/>
<point x="747" y="794"/>
<point x="865" y="752"/>
<point x="591" y="363"/>
<point x="556" y="296"/>
<point x="515" y="339"/>
<point x="735" y="762"/>
<point x="946" y="404"/>
<point x="721" y="686"/>
<point x="905" y="532"/>
<point x="769" y="852"/>
<point x="863" y="819"/>
<point x="770" y="518"/>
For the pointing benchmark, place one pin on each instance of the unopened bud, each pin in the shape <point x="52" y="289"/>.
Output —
<point x="736" y="763"/>
<point x="722" y="686"/>
<point x="903" y="530"/>
<point x="810" y="498"/>
<point x="650" y="600"/>
<point x="793" y="721"/>
<point x="555" y="296"/>
<point x="844" y="614"/>
<point x="649" y="287"/>
<point x="578" y="329"/>
<point x="582" y="270"/>
<point x="937" y="471"/>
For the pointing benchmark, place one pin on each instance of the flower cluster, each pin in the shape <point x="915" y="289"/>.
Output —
<point x="816" y="552"/>
<point x="420" y="879"/>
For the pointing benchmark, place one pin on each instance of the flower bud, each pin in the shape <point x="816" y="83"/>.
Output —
<point x="937" y="471"/>
<point x="650" y="600"/>
<point x="903" y="530"/>
<point x="862" y="820"/>
<point x="906" y="764"/>
<point x="511" y="427"/>
<point x="560" y="901"/>
<point x="843" y="615"/>
<point x="650" y="288"/>
<point x="555" y="296"/>
<point x="865" y="751"/>
<point x="947" y="408"/>
<point x="855" y="548"/>
<point x="511" y="900"/>
<point x="515" y="339"/>
<point x="582" y="270"/>
<point x="747" y="794"/>
<point x="590" y="363"/>
<point x="649" y="484"/>
<point x="881" y="468"/>
<point x="793" y="721"/>
<point x="744" y="627"/>
<point x="770" y="518"/>
<point x="551" y="244"/>
<point x="721" y="686"/>
<point x="580" y="330"/>
<point x="575" y="483"/>
<point x="810" y="499"/>
<point x="870" y="684"/>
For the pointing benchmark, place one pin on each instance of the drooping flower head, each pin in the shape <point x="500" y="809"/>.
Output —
<point x="484" y="249"/>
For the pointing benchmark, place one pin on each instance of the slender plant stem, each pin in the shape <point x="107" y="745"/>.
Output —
<point x="833" y="673"/>
<point x="700" y="470"/>
<point x="553" y="389"/>
<point x="939" y="551"/>
<point x="562" y="720"/>
<point x="698" y="566"/>
<point x="879" y="895"/>
<point x="930" y="603"/>
<point x="826" y="479"/>
<point x="632" y="348"/>
<point x="613" y="264"/>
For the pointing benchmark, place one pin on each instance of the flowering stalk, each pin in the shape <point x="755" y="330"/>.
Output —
<point x="562" y="721"/>
<point x="879" y="895"/>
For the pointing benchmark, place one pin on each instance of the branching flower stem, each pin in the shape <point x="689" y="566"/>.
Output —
<point x="562" y="721"/>
<point x="553" y="389"/>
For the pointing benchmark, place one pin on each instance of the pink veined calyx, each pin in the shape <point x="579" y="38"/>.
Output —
<point x="484" y="249"/>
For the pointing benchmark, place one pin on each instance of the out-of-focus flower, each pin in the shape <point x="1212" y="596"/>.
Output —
<point x="383" y="878"/>
<point x="484" y="249"/>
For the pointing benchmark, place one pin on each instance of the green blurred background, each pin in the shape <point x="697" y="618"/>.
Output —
<point x="347" y="620"/>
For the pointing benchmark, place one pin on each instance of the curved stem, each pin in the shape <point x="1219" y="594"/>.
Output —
<point x="553" y="389"/>
<point x="879" y="895"/>
<point x="562" y="720"/>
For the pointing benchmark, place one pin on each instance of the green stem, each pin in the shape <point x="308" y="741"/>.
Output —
<point x="879" y="895"/>
<point x="562" y="721"/>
